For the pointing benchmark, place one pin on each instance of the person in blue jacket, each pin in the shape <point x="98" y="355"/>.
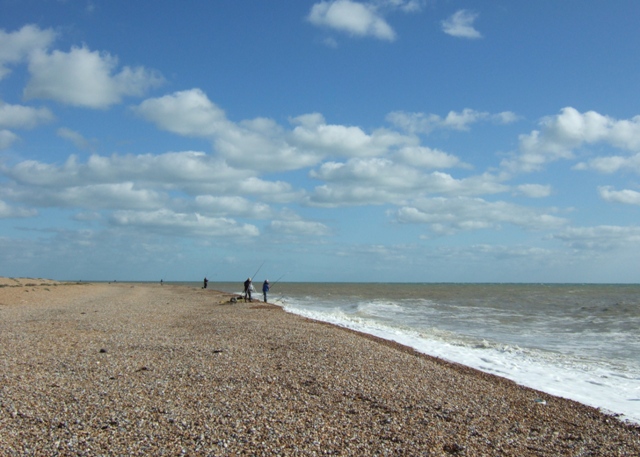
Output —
<point x="265" y="289"/>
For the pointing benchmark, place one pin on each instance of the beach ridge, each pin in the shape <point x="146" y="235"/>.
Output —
<point x="142" y="368"/>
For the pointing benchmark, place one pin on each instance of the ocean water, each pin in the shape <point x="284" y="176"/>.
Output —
<point x="577" y="341"/>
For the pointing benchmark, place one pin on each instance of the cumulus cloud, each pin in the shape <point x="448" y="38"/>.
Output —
<point x="7" y="138"/>
<point x="91" y="196"/>
<point x="460" y="25"/>
<point x="611" y="164"/>
<point x="192" y="172"/>
<point x="196" y="193"/>
<point x="85" y="78"/>
<point x="23" y="117"/>
<point x="354" y="18"/>
<point x="19" y="117"/>
<point x="382" y="181"/>
<point x="229" y="205"/>
<point x="427" y="123"/>
<point x="408" y="6"/>
<point x="75" y="137"/>
<point x="253" y="144"/>
<point x="600" y="238"/>
<point x="168" y="222"/>
<point x="560" y="135"/>
<point x="188" y="113"/>
<point x="261" y="143"/>
<point x="627" y="196"/>
<point x="12" y="212"/>
<point x="534" y="190"/>
<point x="424" y="157"/>
<point x="312" y="133"/>
<point x="16" y="47"/>
<point x="299" y="228"/>
<point x="187" y="193"/>
<point x="449" y="215"/>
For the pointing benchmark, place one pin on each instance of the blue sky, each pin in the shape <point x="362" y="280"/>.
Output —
<point x="382" y="140"/>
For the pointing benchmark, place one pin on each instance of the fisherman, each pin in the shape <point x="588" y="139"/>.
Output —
<point x="248" y="287"/>
<point x="265" y="289"/>
<point x="206" y="281"/>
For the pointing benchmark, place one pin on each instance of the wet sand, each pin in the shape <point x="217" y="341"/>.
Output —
<point x="145" y="369"/>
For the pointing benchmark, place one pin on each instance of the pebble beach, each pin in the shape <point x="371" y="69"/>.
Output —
<point x="149" y="369"/>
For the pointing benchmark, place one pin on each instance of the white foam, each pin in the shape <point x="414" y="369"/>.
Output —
<point x="594" y="383"/>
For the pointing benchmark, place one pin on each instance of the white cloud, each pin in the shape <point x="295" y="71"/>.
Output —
<point x="75" y="137"/>
<point x="261" y="144"/>
<point x="164" y="168"/>
<point x="168" y="222"/>
<point x="87" y="216"/>
<point x="414" y="122"/>
<point x="376" y="171"/>
<point x="600" y="238"/>
<point x="182" y="194"/>
<point x="223" y="205"/>
<point x="90" y="196"/>
<point x="188" y="113"/>
<point x="7" y="138"/>
<point x="17" y="46"/>
<point x="336" y="195"/>
<point x="255" y="144"/>
<point x="505" y="117"/>
<point x="330" y="42"/>
<point x="627" y="196"/>
<point x="408" y="6"/>
<point x="19" y="117"/>
<point x="192" y="172"/>
<point x="381" y="181"/>
<point x="424" y="157"/>
<point x="273" y="191"/>
<point x="561" y="134"/>
<point x="7" y="212"/>
<point x="299" y="228"/>
<point x="313" y="134"/>
<point x="535" y="190"/>
<point x="354" y="18"/>
<point x="427" y="123"/>
<point x="85" y="78"/>
<point x="611" y="164"/>
<point x="24" y="117"/>
<point x="450" y="215"/>
<point x="461" y="121"/>
<point x="460" y="25"/>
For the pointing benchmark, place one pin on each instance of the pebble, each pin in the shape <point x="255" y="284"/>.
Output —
<point x="187" y="372"/>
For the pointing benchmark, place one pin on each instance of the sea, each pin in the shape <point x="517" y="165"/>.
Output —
<point x="577" y="341"/>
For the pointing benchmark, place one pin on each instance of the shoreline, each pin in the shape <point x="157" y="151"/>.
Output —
<point x="132" y="367"/>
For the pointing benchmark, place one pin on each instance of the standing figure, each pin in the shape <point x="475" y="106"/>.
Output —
<point x="247" y="289"/>
<point x="206" y="281"/>
<point x="265" y="289"/>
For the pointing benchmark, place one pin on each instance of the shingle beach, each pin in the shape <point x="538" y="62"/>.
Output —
<point x="144" y="369"/>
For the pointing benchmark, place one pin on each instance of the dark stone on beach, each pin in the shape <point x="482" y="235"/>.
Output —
<point x="103" y="351"/>
<point x="453" y="448"/>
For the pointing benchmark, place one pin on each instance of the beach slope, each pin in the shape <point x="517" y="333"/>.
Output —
<point x="145" y="369"/>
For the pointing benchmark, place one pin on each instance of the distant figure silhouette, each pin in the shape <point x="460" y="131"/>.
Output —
<point x="248" y="287"/>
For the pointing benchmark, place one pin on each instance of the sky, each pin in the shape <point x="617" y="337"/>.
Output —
<point x="336" y="140"/>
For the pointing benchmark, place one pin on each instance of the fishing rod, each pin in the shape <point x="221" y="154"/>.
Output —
<point x="277" y="280"/>
<point x="254" y="275"/>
